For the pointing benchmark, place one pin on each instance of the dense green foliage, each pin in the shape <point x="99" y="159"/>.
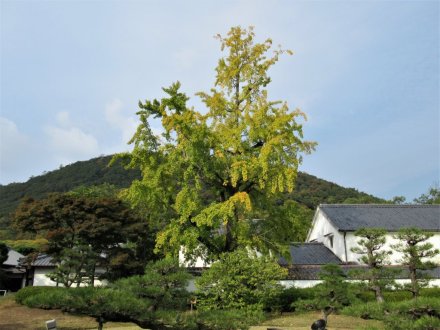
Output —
<point x="309" y="190"/>
<point x="86" y="232"/>
<point x="312" y="191"/>
<point x="27" y="246"/>
<point x="163" y="285"/>
<point x="431" y="197"/>
<point x="240" y="279"/>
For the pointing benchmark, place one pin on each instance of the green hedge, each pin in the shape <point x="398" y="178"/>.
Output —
<point x="117" y="305"/>
<point x="394" y="296"/>
<point x="366" y="310"/>
<point x="284" y="302"/>
<point x="413" y="314"/>
<point x="30" y="291"/>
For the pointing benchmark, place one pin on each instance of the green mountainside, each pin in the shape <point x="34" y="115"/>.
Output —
<point x="310" y="190"/>
<point x="90" y="172"/>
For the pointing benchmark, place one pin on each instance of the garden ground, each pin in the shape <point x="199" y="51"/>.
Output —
<point x="14" y="316"/>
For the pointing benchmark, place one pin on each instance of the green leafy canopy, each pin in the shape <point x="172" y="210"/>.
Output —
<point x="215" y="179"/>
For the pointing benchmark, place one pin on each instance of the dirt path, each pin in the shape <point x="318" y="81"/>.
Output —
<point x="14" y="317"/>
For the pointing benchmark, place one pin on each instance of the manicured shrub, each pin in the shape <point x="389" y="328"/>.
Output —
<point x="30" y="291"/>
<point x="368" y="310"/>
<point x="286" y="299"/>
<point x="416" y="308"/>
<point x="163" y="285"/>
<point x="427" y="323"/>
<point x="395" y="295"/>
<point x="424" y="323"/>
<point x="229" y="319"/>
<point x="430" y="292"/>
<point x="411" y="314"/>
<point x="156" y="300"/>
<point x="48" y="299"/>
<point x="238" y="280"/>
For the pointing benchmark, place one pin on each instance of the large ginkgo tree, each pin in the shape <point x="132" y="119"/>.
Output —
<point x="215" y="179"/>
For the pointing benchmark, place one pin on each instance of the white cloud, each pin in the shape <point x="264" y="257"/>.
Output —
<point x="63" y="119"/>
<point x="11" y="142"/>
<point x="16" y="152"/>
<point x="115" y="117"/>
<point x="71" y="144"/>
<point x="9" y="133"/>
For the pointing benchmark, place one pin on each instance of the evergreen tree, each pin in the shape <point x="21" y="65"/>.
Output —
<point x="417" y="256"/>
<point x="331" y="295"/>
<point x="370" y="247"/>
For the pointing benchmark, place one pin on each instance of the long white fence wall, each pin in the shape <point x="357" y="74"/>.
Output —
<point x="41" y="278"/>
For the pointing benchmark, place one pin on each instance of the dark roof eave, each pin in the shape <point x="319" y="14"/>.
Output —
<point x="389" y="231"/>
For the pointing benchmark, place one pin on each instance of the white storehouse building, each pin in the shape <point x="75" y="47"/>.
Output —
<point x="331" y="238"/>
<point x="334" y="225"/>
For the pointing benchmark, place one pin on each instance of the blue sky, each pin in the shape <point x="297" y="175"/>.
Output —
<point x="365" y="73"/>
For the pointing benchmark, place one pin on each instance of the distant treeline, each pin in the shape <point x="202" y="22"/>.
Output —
<point x="309" y="190"/>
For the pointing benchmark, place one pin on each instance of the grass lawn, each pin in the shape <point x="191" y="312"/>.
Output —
<point x="14" y="316"/>
<point x="304" y="321"/>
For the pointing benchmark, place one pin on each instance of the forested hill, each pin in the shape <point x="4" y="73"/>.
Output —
<point x="309" y="191"/>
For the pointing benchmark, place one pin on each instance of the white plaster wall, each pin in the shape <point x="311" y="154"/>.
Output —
<point x="299" y="283"/>
<point x="322" y="227"/>
<point x="395" y="257"/>
<point x="434" y="283"/>
<point x="191" y="286"/>
<point x="199" y="262"/>
<point x="41" y="278"/>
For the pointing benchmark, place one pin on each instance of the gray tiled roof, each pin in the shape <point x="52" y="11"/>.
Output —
<point x="310" y="254"/>
<point x="348" y="217"/>
<point x="13" y="257"/>
<point x="43" y="260"/>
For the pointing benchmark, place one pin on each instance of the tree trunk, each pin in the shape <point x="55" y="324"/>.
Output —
<point x="229" y="238"/>
<point x="100" y="323"/>
<point x="326" y="312"/>
<point x="378" y="293"/>
<point x="92" y="276"/>
<point x="414" y="284"/>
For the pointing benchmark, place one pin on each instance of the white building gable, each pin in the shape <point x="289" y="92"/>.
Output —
<point x="334" y="225"/>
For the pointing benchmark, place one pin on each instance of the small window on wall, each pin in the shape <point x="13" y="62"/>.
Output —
<point x="330" y="240"/>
